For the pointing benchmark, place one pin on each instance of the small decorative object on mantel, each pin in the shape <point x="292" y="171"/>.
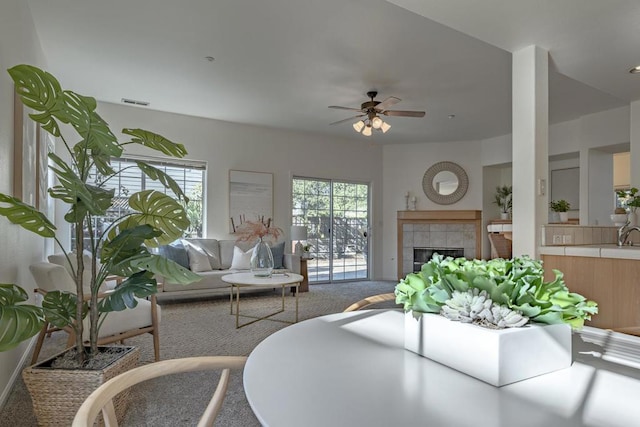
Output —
<point x="561" y="207"/>
<point x="495" y="320"/>
<point x="261" y="258"/>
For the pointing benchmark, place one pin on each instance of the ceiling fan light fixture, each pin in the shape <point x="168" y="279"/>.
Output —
<point x="385" y="127"/>
<point x="358" y="126"/>
<point x="376" y="122"/>
<point x="367" y="130"/>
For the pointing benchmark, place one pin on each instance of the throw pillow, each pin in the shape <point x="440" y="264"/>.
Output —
<point x="198" y="259"/>
<point x="211" y="248"/>
<point x="176" y="252"/>
<point x="241" y="259"/>
<point x="278" y="254"/>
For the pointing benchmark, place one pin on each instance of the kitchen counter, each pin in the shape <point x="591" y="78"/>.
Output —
<point x="594" y="251"/>
<point x="604" y="273"/>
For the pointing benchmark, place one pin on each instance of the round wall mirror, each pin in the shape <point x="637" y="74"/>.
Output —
<point x="445" y="183"/>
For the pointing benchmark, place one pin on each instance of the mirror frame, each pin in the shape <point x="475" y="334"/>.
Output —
<point x="433" y="195"/>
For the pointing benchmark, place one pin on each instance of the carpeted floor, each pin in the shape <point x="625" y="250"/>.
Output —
<point x="198" y="328"/>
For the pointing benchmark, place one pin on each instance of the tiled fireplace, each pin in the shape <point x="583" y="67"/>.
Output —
<point x="451" y="233"/>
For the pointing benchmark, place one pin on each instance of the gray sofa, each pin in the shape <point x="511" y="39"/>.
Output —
<point x="212" y="259"/>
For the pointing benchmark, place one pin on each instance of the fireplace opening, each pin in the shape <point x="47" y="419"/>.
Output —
<point x="423" y="255"/>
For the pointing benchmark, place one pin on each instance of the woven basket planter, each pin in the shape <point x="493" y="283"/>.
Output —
<point x="58" y="393"/>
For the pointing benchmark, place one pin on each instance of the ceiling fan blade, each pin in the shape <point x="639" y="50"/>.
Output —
<point x="392" y="100"/>
<point x="347" y="119"/>
<point x="337" y="107"/>
<point x="404" y="113"/>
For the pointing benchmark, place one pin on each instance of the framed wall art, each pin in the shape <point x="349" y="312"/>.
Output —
<point x="24" y="154"/>
<point x="250" y="197"/>
<point x="45" y="145"/>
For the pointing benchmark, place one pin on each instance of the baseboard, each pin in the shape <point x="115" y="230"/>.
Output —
<point x="17" y="371"/>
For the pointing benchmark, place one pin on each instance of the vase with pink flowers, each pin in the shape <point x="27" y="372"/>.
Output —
<point x="261" y="257"/>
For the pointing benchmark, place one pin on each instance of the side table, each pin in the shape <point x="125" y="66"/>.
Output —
<point x="304" y="285"/>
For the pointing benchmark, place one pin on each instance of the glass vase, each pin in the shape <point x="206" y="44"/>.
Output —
<point x="262" y="260"/>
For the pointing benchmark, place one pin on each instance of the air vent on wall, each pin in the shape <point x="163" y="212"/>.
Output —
<point x="134" y="102"/>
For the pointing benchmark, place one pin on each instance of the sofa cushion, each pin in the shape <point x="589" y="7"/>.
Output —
<point x="175" y="252"/>
<point x="241" y="259"/>
<point x="226" y="253"/>
<point x="277" y="251"/>
<point x="212" y="248"/>
<point x="198" y="259"/>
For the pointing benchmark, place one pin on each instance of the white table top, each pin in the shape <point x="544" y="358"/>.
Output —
<point x="351" y="369"/>
<point x="248" y="279"/>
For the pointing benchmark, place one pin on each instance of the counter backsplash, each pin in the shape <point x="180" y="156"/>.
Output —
<point x="563" y="235"/>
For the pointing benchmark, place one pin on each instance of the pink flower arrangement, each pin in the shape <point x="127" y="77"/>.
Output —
<point x="250" y="230"/>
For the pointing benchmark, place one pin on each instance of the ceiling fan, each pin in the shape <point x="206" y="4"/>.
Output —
<point x="372" y="110"/>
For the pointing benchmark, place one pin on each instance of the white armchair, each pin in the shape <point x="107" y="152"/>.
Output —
<point x="117" y="326"/>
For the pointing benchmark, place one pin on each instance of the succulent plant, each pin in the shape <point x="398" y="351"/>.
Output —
<point x="474" y="306"/>
<point x="516" y="284"/>
<point x="467" y="306"/>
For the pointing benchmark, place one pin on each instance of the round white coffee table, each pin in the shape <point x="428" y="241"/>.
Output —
<point x="248" y="280"/>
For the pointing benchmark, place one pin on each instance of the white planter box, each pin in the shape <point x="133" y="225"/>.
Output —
<point x="495" y="356"/>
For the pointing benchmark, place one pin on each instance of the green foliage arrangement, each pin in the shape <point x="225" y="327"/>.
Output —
<point x="517" y="284"/>
<point x="503" y="198"/>
<point x="630" y="198"/>
<point x="559" y="206"/>
<point x="123" y="248"/>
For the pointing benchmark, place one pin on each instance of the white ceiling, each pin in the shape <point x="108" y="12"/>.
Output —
<point x="280" y="63"/>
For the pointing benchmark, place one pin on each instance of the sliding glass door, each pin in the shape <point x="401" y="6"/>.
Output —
<point x="336" y="214"/>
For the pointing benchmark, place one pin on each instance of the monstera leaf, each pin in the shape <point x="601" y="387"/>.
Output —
<point x="26" y="216"/>
<point x="156" y="142"/>
<point x="158" y="210"/>
<point x="40" y="91"/>
<point x="60" y="308"/>
<point x="80" y="112"/>
<point x="18" y="322"/>
<point x="158" y="175"/>
<point x="118" y="253"/>
<point x="170" y="270"/>
<point x="139" y="285"/>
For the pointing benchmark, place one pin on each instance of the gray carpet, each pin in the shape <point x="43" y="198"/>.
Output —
<point x="199" y="328"/>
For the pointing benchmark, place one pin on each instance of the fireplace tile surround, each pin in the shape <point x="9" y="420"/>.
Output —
<point x="436" y="229"/>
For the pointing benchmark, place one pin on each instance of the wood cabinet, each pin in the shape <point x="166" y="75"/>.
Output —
<point x="613" y="283"/>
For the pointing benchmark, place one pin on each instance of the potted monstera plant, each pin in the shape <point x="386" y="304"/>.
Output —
<point x="123" y="249"/>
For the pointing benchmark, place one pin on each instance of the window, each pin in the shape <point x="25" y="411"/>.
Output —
<point x="188" y="175"/>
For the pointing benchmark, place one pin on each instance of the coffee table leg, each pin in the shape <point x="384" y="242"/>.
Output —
<point x="231" y="300"/>
<point x="237" y="307"/>
<point x="283" y="297"/>
<point x="297" y="292"/>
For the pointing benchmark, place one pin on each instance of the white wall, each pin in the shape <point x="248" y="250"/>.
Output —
<point x="403" y="169"/>
<point x="227" y="146"/>
<point x="18" y="44"/>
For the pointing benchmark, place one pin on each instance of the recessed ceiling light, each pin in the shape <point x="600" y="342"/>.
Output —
<point x="635" y="70"/>
<point x="452" y="116"/>
<point x="209" y="58"/>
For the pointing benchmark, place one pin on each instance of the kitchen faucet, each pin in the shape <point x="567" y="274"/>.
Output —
<point x="624" y="232"/>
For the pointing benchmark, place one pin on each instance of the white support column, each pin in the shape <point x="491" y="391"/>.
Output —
<point x="635" y="144"/>
<point x="530" y="115"/>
